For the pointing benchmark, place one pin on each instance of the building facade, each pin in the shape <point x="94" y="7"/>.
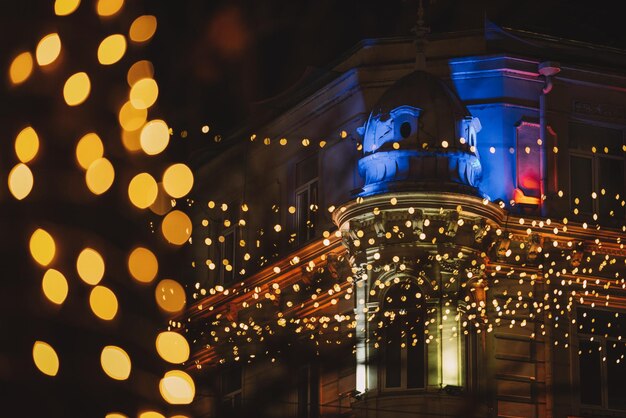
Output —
<point x="430" y="236"/>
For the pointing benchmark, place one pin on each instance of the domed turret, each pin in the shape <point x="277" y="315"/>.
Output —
<point x="420" y="136"/>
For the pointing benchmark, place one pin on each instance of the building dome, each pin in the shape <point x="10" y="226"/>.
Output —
<point x="420" y="136"/>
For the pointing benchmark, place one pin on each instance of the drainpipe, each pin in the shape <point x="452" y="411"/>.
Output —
<point x="547" y="69"/>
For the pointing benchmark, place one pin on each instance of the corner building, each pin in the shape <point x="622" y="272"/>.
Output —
<point x="460" y="230"/>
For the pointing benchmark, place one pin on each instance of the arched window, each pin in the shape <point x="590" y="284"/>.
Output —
<point x="403" y="339"/>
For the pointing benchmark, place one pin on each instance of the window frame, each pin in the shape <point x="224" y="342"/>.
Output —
<point x="306" y="188"/>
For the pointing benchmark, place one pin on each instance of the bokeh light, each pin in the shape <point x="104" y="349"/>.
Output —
<point x="115" y="415"/>
<point x="54" y="285"/>
<point x="143" y="265"/>
<point x="76" y="89"/>
<point x="170" y="296"/>
<point x="143" y="28"/>
<point x="154" y="137"/>
<point x="103" y="302"/>
<point x="89" y="149"/>
<point x="144" y="93"/>
<point x="90" y="266"/>
<point x="176" y="227"/>
<point x="20" y="181"/>
<point x="130" y="140"/>
<point x="151" y="414"/>
<point x="163" y="203"/>
<point x="142" y="190"/>
<point x="42" y="247"/>
<point x="65" y="7"/>
<point x="26" y="144"/>
<point x="177" y="387"/>
<point x="45" y="358"/>
<point x="99" y="176"/>
<point x="130" y="118"/>
<point x="21" y="68"/>
<point x="111" y="49"/>
<point x="115" y="362"/>
<point x="109" y="7"/>
<point x="177" y="180"/>
<point x="48" y="49"/>
<point x="137" y="71"/>
<point x="172" y="347"/>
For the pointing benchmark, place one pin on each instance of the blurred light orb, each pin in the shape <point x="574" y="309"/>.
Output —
<point x="172" y="347"/>
<point x="20" y="181"/>
<point x="45" y="358"/>
<point x="137" y="71"/>
<point x="143" y="265"/>
<point x="131" y="141"/>
<point x="144" y="93"/>
<point x="65" y="7"/>
<point x="26" y="144"/>
<point x="143" y="28"/>
<point x="150" y="414"/>
<point x="142" y="190"/>
<point x="163" y="203"/>
<point x="176" y="227"/>
<point x="111" y="49"/>
<point x="42" y="247"/>
<point x="54" y="285"/>
<point x="21" y="68"/>
<point x="76" y="89"/>
<point x="48" y="49"/>
<point x="108" y="7"/>
<point x="103" y="303"/>
<point x="90" y="266"/>
<point x="115" y="362"/>
<point x="177" y="387"/>
<point x="170" y="296"/>
<point x="89" y="149"/>
<point x="99" y="176"/>
<point x="154" y="137"/>
<point x="115" y="415"/>
<point x="132" y="119"/>
<point x="177" y="180"/>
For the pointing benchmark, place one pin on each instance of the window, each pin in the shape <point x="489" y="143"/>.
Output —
<point x="528" y="154"/>
<point x="404" y="354"/>
<point x="597" y="169"/>
<point x="306" y="198"/>
<point x="308" y="392"/>
<point x="601" y="358"/>
<point x="231" y="386"/>
<point x="228" y="255"/>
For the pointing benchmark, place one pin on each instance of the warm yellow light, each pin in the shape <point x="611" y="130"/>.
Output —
<point x="42" y="247"/>
<point x="115" y="362"/>
<point x="109" y="7"/>
<point x="65" y="7"/>
<point x="172" y="347"/>
<point x="177" y="180"/>
<point x="115" y="415"/>
<point x="143" y="28"/>
<point x="76" y="89"/>
<point x="21" y="68"/>
<point x="151" y="414"/>
<point x="154" y="137"/>
<point x="111" y="49"/>
<point x="45" y="358"/>
<point x="20" y="181"/>
<point x="170" y="295"/>
<point x="130" y="118"/>
<point x="144" y="93"/>
<point x="143" y="265"/>
<point x="177" y="387"/>
<point x="163" y="203"/>
<point x="130" y="140"/>
<point x="142" y="190"/>
<point x="100" y="176"/>
<point x="90" y="266"/>
<point x="26" y="144"/>
<point x="103" y="303"/>
<point x="48" y="49"/>
<point x="89" y="149"/>
<point x="137" y="71"/>
<point x="176" y="227"/>
<point x="54" y="286"/>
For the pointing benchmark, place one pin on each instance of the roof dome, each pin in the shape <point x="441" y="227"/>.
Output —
<point x="420" y="136"/>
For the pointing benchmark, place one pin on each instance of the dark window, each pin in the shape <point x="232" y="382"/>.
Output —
<point x="308" y="392"/>
<point x="306" y="199"/>
<point x="582" y="183"/>
<point x="231" y="385"/>
<point x="228" y="251"/>
<point x="590" y="365"/>
<point x="405" y="129"/>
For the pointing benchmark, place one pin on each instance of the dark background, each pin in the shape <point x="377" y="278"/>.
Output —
<point x="216" y="62"/>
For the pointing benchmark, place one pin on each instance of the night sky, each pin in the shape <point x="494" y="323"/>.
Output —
<point x="215" y="62"/>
